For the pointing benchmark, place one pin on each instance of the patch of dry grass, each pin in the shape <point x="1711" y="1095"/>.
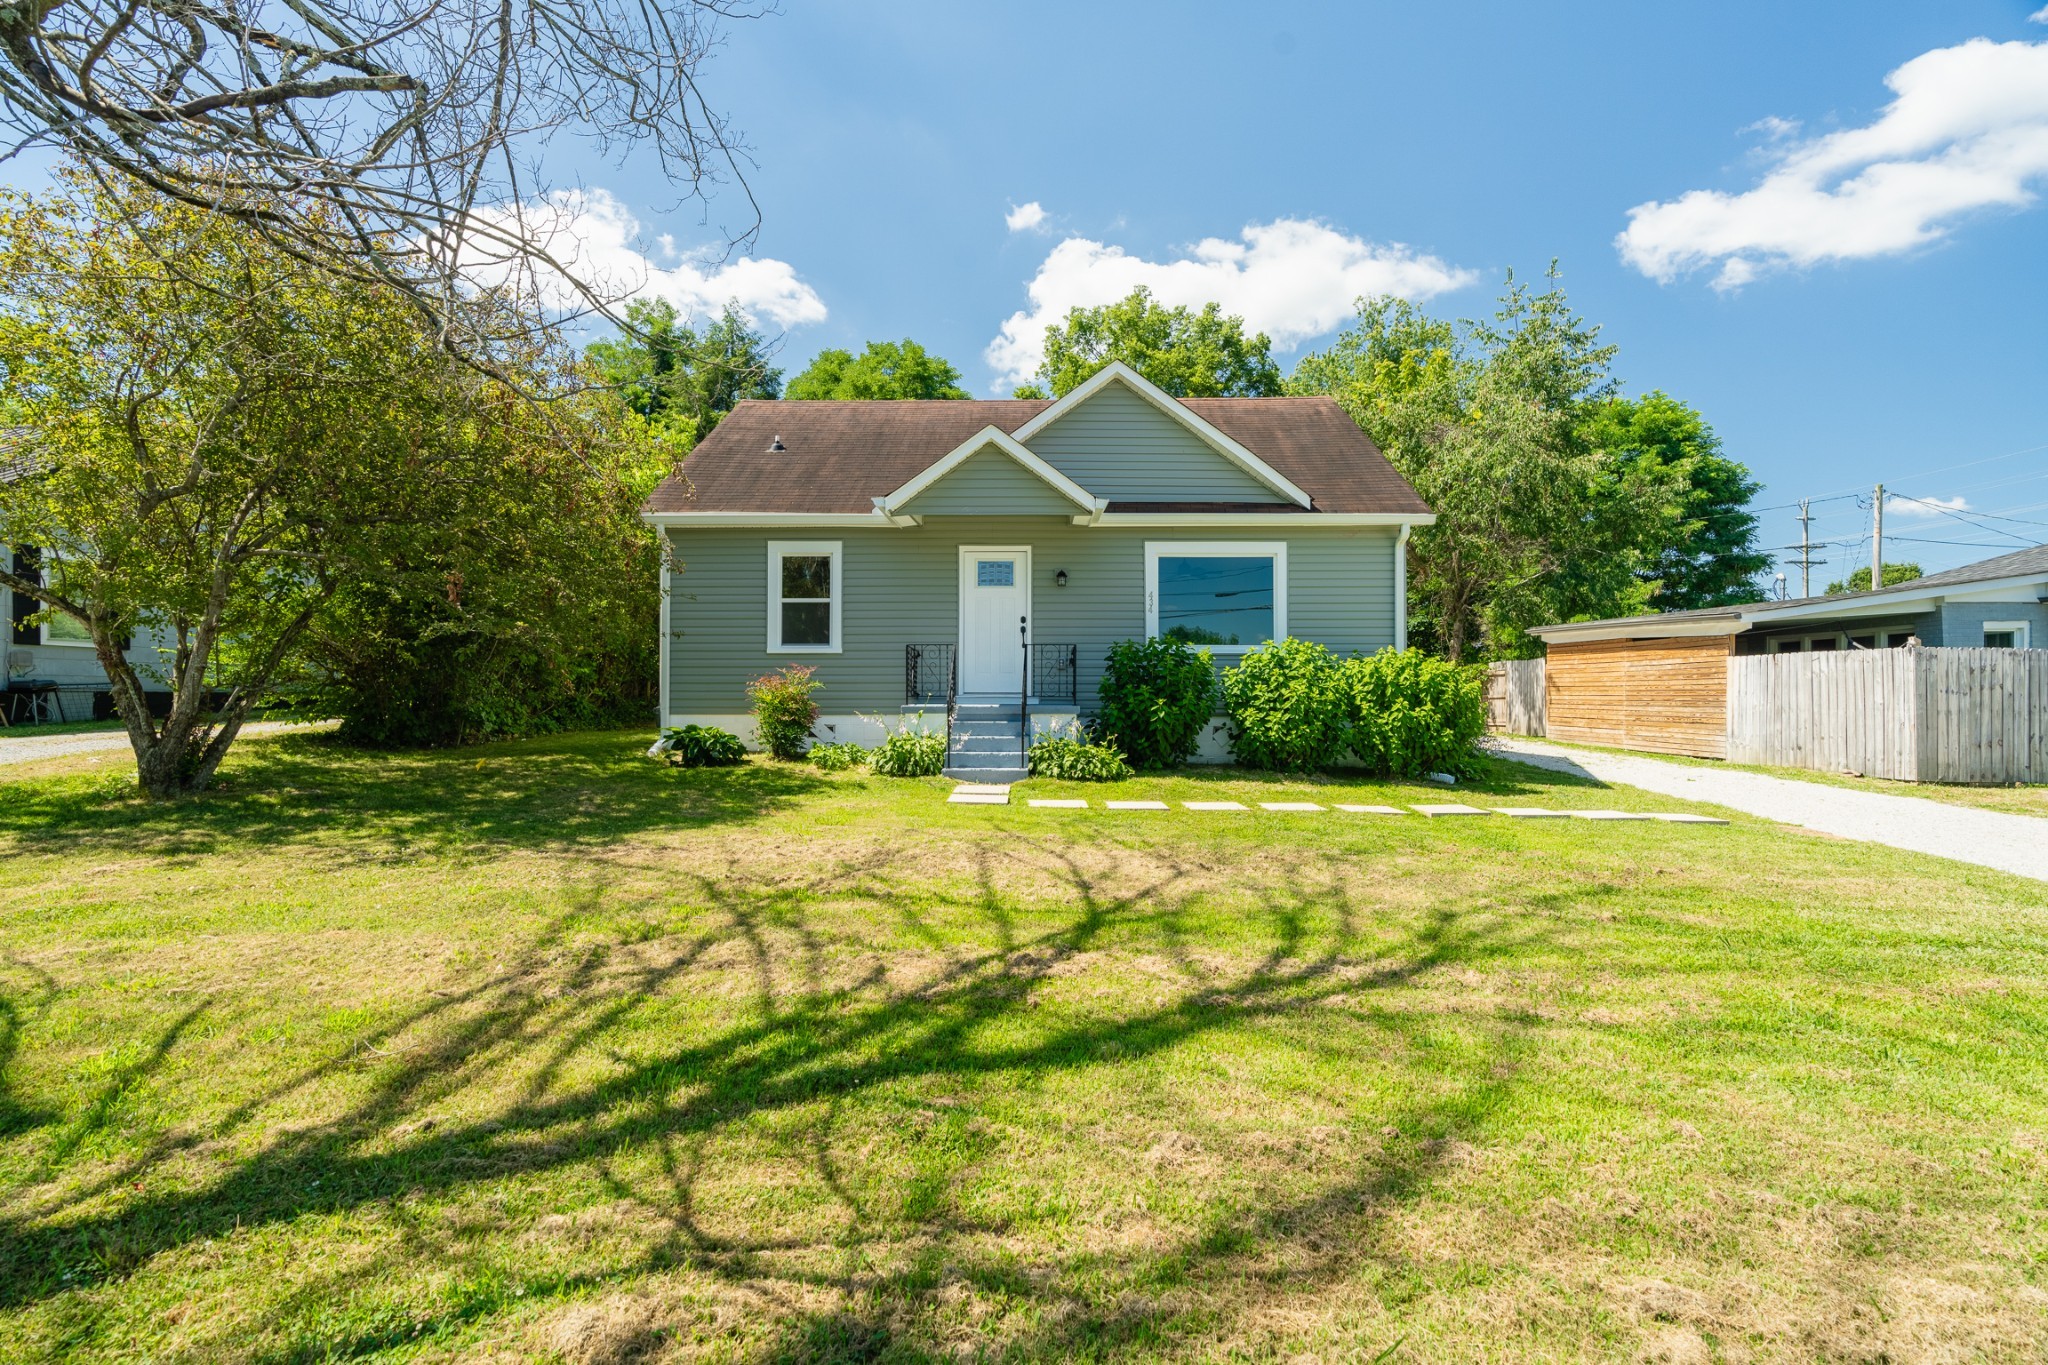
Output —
<point x="544" y="1053"/>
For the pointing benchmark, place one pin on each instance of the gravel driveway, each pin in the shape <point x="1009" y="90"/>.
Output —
<point x="25" y="746"/>
<point x="2010" y="843"/>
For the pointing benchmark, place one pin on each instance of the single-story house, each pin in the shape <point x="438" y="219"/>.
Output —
<point x="1661" y="682"/>
<point x="988" y="553"/>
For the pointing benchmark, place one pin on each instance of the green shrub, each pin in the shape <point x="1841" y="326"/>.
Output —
<point x="700" y="746"/>
<point x="1155" y="695"/>
<point x="1286" y="706"/>
<point x="783" y="710"/>
<point x="910" y="753"/>
<point x="1077" y="760"/>
<point x="837" y="758"/>
<point x="1411" y="715"/>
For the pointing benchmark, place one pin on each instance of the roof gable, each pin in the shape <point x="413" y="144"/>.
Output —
<point x="989" y="472"/>
<point x="1129" y="439"/>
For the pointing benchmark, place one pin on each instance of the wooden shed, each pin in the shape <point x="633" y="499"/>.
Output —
<point x="1665" y="696"/>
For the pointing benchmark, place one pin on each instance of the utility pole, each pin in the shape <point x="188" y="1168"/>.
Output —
<point x="1806" y="561"/>
<point x="1877" y="539"/>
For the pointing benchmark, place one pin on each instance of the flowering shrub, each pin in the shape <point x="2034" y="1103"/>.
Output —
<point x="784" y="713"/>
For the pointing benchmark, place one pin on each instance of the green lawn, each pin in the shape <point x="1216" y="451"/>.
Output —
<point x="546" y="1052"/>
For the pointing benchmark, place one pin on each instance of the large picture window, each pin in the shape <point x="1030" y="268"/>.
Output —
<point x="1227" y="596"/>
<point x="803" y="597"/>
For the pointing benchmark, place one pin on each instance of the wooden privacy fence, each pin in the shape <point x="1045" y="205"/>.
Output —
<point x="1514" y="697"/>
<point x="1918" y="715"/>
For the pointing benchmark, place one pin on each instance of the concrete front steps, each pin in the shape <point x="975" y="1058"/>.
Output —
<point x="988" y="743"/>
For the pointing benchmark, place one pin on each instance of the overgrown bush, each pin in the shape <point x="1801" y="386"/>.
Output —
<point x="837" y="758"/>
<point x="1287" y="707"/>
<point x="1073" y="759"/>
<point x="909" y="753"/>
<point x="701" y="746"/>
<point x="1411" y="715"/>
<point x="784" y="713"/>
<point x="1155" y="695"/>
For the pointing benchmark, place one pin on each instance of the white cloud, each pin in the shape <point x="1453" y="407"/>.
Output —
<point x="1924" y="507"/>
<point x="1773" y="127"/>
<point x="1292" y="279"/>
<point x="1025" y="217"/>
<point x="2039" y="16"/>
<point x="1968" y="130"/>
<point x="596" y="240"/>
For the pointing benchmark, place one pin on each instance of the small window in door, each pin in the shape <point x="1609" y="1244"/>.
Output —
<point x="995" y="573"/>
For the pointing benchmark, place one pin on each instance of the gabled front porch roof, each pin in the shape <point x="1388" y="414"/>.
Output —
<point x="991" y="438"/>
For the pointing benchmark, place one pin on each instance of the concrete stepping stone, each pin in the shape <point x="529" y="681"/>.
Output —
<point x="1450" y="808"/>
<point x="1214" y="805"/>
<point x="1289" y="805"/>
<point x="1529" y="813"/>
<point x="1609" y="815"/>
<point x="1370" y="810"/>
<point x="978" y="799"/>
<point x="1135" y="805"/>
<point x="1047" y="803"/>
<point x="1687" y="818"/>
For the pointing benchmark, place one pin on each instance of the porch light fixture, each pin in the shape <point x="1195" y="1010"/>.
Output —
<point x="1060" y="579"/>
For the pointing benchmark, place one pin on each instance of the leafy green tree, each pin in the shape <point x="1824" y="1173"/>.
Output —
<point x="1859" y="579"/>
<point x="682" y="381"/>
<point x="886" y="369"/>
<point x="1487" y="421"/>
<point x="1705" y="554"/>
<point x="1186" y="353"/>
<point x="224" y="439"/>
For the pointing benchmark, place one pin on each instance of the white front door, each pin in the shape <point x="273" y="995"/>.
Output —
<point x="995" y="610"/>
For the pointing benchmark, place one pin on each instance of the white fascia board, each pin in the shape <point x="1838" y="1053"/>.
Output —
<point x="1892" y="601"/>
<point x="1267" y="519"/>
<point x="1118" y="372"/>
<point x="1008" y="445"/>
<point x="678" y="520"/>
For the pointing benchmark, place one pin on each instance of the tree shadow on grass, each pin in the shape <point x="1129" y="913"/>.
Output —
<point x="17" y="1007"/>
<point x="564" y="792"/>
<point x="807" y="1047"/>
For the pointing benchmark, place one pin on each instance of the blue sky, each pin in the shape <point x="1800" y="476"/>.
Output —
<point x="1846" y="276"/>
<point x="893" y="139"/>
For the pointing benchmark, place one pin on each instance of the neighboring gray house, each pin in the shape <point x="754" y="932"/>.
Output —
<point x="909" y="549"/>
<point x="53" y="671"/>
<point x="1999" y="603"/>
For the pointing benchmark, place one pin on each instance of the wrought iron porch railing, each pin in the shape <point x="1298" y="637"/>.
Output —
<point x="1055" y="673"/>
<point x="928" y="673"/>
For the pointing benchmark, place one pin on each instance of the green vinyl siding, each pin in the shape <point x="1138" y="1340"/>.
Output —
<point x="990" y="481"/>
<point x="1118" y="446"/>
<point x="901" y="586"/>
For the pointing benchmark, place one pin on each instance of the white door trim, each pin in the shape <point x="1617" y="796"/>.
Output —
<point x="968" y="554"/>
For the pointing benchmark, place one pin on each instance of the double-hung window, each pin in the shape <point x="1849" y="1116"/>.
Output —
<point x="1228" y="596"/>
<point x="803" y="596"/>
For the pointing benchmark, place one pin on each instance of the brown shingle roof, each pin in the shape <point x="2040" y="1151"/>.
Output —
<point x="841" y="455"/>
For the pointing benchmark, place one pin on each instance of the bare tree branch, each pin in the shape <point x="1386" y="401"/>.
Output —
<point x="383" y="140"/>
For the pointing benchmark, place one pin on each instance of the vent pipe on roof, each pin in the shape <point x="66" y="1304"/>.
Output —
<point x="776" y="445"/>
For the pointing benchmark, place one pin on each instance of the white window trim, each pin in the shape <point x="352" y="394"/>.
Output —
<point x="776" y="550"/>
<point x="2022" y="634"/>
<point x="1276" y="550"/>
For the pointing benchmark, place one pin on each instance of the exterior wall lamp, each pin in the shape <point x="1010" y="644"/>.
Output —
<point x="1060" y="579"/>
